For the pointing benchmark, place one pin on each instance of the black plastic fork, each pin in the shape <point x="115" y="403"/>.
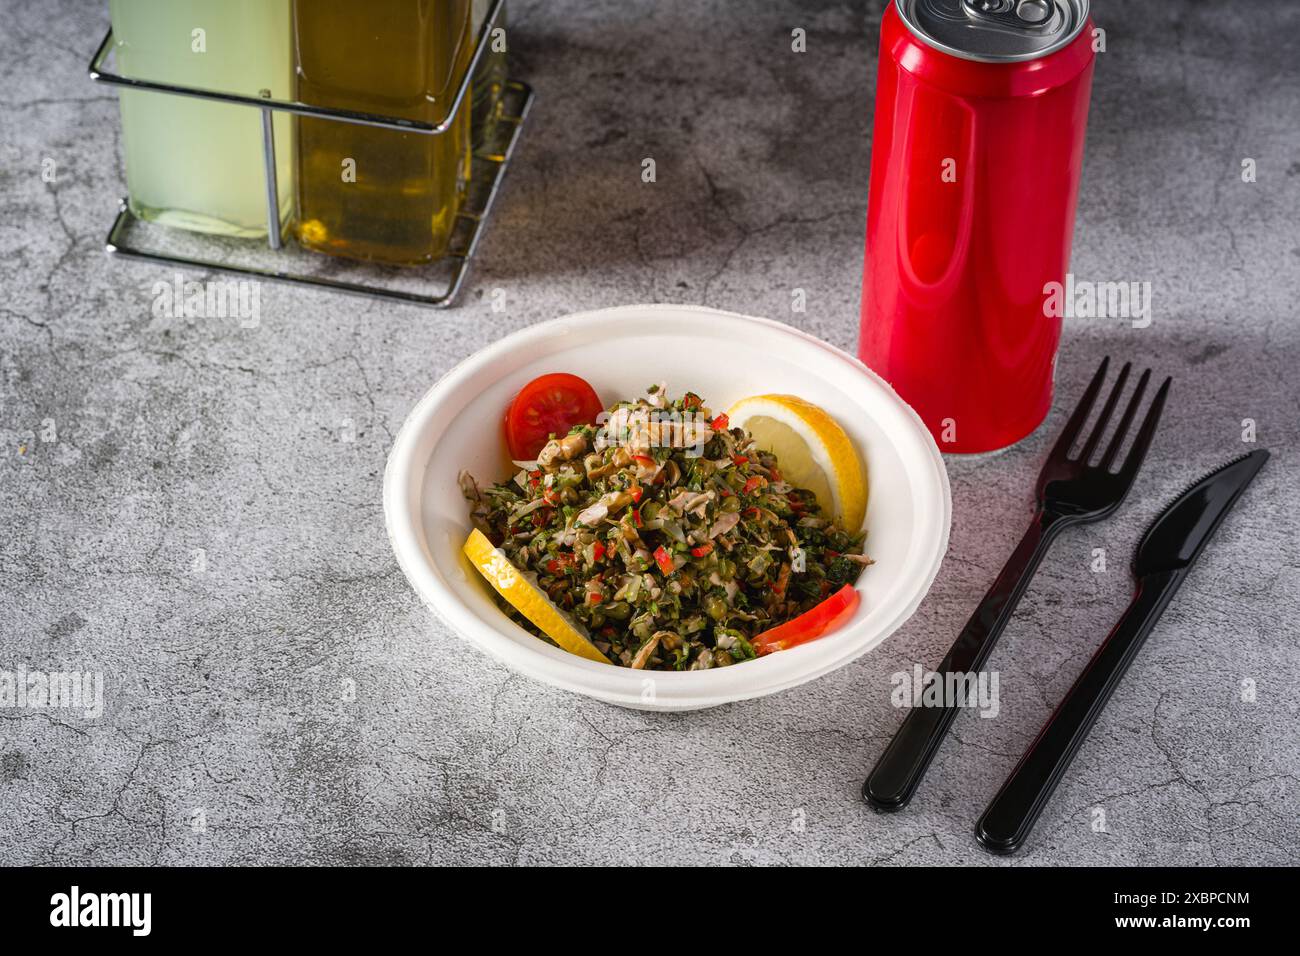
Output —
<point x="1070" y="491"/>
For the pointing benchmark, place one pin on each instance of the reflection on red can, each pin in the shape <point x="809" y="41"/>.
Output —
<point x="981" y="109"/>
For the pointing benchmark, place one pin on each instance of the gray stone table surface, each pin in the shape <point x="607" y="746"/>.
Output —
<point x="192" y="507"/>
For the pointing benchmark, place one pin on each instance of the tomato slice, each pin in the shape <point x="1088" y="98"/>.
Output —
<point x="549" y="404"/>
<point x="827" y="616"/>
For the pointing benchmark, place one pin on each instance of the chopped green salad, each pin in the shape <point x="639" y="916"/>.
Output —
<point x="667" y="534"/>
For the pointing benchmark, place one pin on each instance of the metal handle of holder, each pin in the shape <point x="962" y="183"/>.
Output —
<point x="272" y="186"/>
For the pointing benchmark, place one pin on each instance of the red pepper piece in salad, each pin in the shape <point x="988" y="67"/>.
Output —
<point x="825" y="617"/>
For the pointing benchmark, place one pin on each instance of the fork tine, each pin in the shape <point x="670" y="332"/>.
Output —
<point x="1143" y="441"/>
<point x="1113" y="448"/>
<point x="1080" y="414"/>
<point x="1106" y="411"/>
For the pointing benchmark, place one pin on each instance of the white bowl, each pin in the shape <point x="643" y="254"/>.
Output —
<point x="722" y="357"/>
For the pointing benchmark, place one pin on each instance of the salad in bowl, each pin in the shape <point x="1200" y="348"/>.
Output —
<point x="658" y="535"/>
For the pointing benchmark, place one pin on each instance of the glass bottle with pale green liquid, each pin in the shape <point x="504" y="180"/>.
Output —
<point x="192" y="163"/>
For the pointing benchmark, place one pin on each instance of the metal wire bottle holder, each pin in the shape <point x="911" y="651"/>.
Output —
<point x="488" y="169"/>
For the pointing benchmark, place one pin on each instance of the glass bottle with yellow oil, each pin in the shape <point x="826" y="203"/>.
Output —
<point x="371" y="193"/>
<point x="490" y="77"/>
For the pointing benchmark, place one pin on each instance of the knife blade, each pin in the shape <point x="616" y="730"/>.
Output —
<point x="1177" y="536"/>
<point x="1163" y="559"/>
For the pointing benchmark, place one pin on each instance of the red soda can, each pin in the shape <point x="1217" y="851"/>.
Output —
<point x="981" y="109"/>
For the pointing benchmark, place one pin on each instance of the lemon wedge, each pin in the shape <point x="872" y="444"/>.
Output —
<point x="812" y="452"/>
<point x="527" y="598"/>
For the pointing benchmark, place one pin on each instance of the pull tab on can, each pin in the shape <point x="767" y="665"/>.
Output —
<point x="995" y="31"/>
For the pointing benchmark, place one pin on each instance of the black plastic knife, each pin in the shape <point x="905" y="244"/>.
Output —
<point x="1164" y="557"/>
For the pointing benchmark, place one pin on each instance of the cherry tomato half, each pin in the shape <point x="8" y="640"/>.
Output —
<point x="811" y="624"/>
<point x="549" y="404"/>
